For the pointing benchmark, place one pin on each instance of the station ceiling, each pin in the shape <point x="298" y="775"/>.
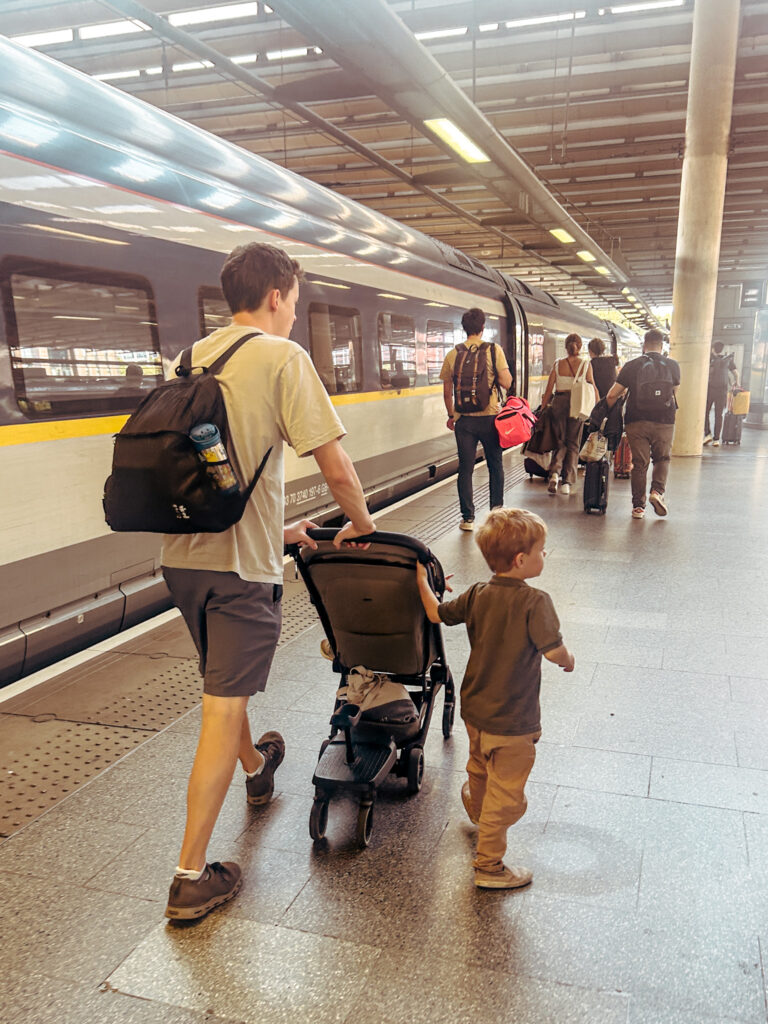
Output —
<point x="580" y="107"/>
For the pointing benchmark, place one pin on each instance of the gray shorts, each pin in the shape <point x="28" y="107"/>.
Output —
<point x="235" y="626"/>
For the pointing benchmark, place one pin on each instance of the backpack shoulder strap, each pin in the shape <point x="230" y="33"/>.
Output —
<point x="185" y="362"/>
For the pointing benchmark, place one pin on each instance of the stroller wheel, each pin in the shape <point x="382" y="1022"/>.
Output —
<point x="449" y="711"/>
<point x="318" y="819"/>
<point x="415" y="769"/>
<point x="364" y="824"/>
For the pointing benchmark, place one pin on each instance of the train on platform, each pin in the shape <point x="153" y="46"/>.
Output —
<point x="116" y="218"/>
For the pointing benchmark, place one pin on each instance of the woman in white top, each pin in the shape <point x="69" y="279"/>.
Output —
<point x="562" y="467"/>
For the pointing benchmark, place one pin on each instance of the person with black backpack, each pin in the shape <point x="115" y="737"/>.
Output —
<point x="472" y="374"/>
<point x="721" y="370"/>
<point x="652" y="380"/>
<point x="228" y="584"/>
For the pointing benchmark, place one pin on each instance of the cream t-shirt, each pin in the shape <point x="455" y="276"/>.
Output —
<point x="272" y="394"/>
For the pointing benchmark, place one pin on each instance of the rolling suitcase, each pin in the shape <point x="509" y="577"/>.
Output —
<point x="596" y="487"/>
<point x="537" y="465"/>
<point x="622" y="459"/>
<point x="731" y="429"/>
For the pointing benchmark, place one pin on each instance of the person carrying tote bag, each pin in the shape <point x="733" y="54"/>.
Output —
<point x="572" y="389"/>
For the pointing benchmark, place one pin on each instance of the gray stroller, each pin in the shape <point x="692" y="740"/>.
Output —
<point x="370" y="609"/>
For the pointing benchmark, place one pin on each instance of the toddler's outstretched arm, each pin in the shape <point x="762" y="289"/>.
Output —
<point x="428" y="598"/>
<point x="561" y="656"/>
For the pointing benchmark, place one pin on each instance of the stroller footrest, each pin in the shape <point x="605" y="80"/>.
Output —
<point x="372" y="763"/>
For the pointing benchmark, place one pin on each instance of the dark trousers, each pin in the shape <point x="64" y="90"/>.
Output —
<point x="717" y="397"/>
<point x="469" y="431"/>
<point x="565" y="459"/>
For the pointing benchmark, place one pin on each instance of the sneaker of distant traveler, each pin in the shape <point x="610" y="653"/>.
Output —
<point x="467" y="524"/>
<point x="707" y="439"/>
<point x="507" y="878"/>
<point x="552" y="485"/>
<point x="565" y="488"/>
<point x="638" y="513"/>
<point x="659" y="505"/>
<point x="260" y="787"/>
<point x="189" y="899"/>
<point x="716" y="443"/>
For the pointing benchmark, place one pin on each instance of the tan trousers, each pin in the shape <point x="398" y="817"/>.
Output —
<point x="498" y="769"/>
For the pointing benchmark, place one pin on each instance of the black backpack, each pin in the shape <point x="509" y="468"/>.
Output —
<point x="654" y="386"/>
<point x="158" y="482"/>
<point x="719" y="367"/>
<point x="471" y="389"/>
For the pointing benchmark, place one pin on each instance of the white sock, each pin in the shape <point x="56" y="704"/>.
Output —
<point x="260" y="769"/>
<point x="193" y="876"/>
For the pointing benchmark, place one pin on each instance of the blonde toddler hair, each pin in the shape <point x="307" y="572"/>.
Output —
<point x="506" y="533"/>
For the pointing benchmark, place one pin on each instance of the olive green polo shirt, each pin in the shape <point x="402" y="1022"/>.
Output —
<point x="510" y="626"/>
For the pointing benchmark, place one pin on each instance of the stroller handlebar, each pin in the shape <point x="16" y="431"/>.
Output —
<point x="422" y="552"/>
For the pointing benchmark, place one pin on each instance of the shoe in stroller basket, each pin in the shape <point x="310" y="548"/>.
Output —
<point x="391" y="661"/>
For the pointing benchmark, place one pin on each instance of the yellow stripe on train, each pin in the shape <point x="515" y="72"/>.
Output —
<point x="94" y="426"/>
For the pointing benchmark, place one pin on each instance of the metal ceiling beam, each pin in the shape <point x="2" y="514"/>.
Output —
<point x="376" y="46"/>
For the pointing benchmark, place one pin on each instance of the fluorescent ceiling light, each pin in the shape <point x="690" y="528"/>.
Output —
<point x="603" y="270"/>
<point x="330" y="284"/>
<point x="63" y="316"/>
<point x="153" y="71"/>
<point x="457" y="140"/>
<point x="625" y="291"/>
<point x="442" y="33"/>
<point x="651" y="5"/>
<point x="63" y="35"/>
<point x="438" y="305"/>
<point x="586" y="255"/>
<point x="112" y="76"/>
<point x="111" y="28"/>
<point x="561" y="235"/>
<point x="630" y="297"/>
<point x="489" y="28"/>
<point x="298" y="51"/>
<point x="192" y="65"/>
<point x="205" y="14"/>
<point x="546" y="19"/>
<point x="388" y="295"/>
<point x="246" y="58"/>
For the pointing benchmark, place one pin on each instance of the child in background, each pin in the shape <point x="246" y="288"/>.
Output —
<point x="510" y="627"/>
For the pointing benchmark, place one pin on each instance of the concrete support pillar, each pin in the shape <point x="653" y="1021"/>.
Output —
<point x="702" y="192"/>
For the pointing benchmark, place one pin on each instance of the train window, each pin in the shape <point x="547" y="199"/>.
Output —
<point x="397" y="350"/>
<point x="213" y="310"/>
<point x="82" y="342"/>
<point x="441" y="337"/>
<point x="336" y="342"/>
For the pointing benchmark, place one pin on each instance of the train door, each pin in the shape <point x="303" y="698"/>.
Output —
<point x="516" y="348"/>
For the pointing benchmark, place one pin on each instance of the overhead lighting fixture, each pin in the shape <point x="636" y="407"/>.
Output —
<point x="113" y="76"/>
<point x="245" y="58"/>
<point x="111" y="28"/>
<point x="297" y="51"/>
<point x="192" y="65"/>
<point x="492" y="27"/>
<point x="389" y="295"/>
<point x="562" y="235"/>
<point x="625" y="291"/>
<point x="205" y="14"/>
<point x="586" y="255"/>
<point x="546" y="19"/>
<point x="442" y="33"/>
<point x="457" y="140"/>
<point x="651" y="5"/>
<point x="329" y="284"/>
<point x="63" y="35"/>
<point x="630" y="297"/>
<point x="603" y="270"/>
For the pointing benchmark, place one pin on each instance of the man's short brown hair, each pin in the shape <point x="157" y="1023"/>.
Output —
<point x="506" y="533"/>
<point x="251" y="271"/>
<point x="473" y="321"/>
<point x="654" y="338"/>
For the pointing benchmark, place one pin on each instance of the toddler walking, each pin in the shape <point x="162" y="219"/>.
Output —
<point x="510" y="626"/>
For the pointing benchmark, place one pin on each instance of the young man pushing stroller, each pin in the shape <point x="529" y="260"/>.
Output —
<point x="510" y="626"/>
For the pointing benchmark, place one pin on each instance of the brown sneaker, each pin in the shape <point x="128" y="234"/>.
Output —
<point x="466" y="799"/>
<point x="261" y="787"/>
<point x="507" y="878"/>
<point x="188" y="899"/>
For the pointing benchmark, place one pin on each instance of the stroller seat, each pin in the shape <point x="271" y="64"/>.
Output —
<point x="369" y="605"/>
